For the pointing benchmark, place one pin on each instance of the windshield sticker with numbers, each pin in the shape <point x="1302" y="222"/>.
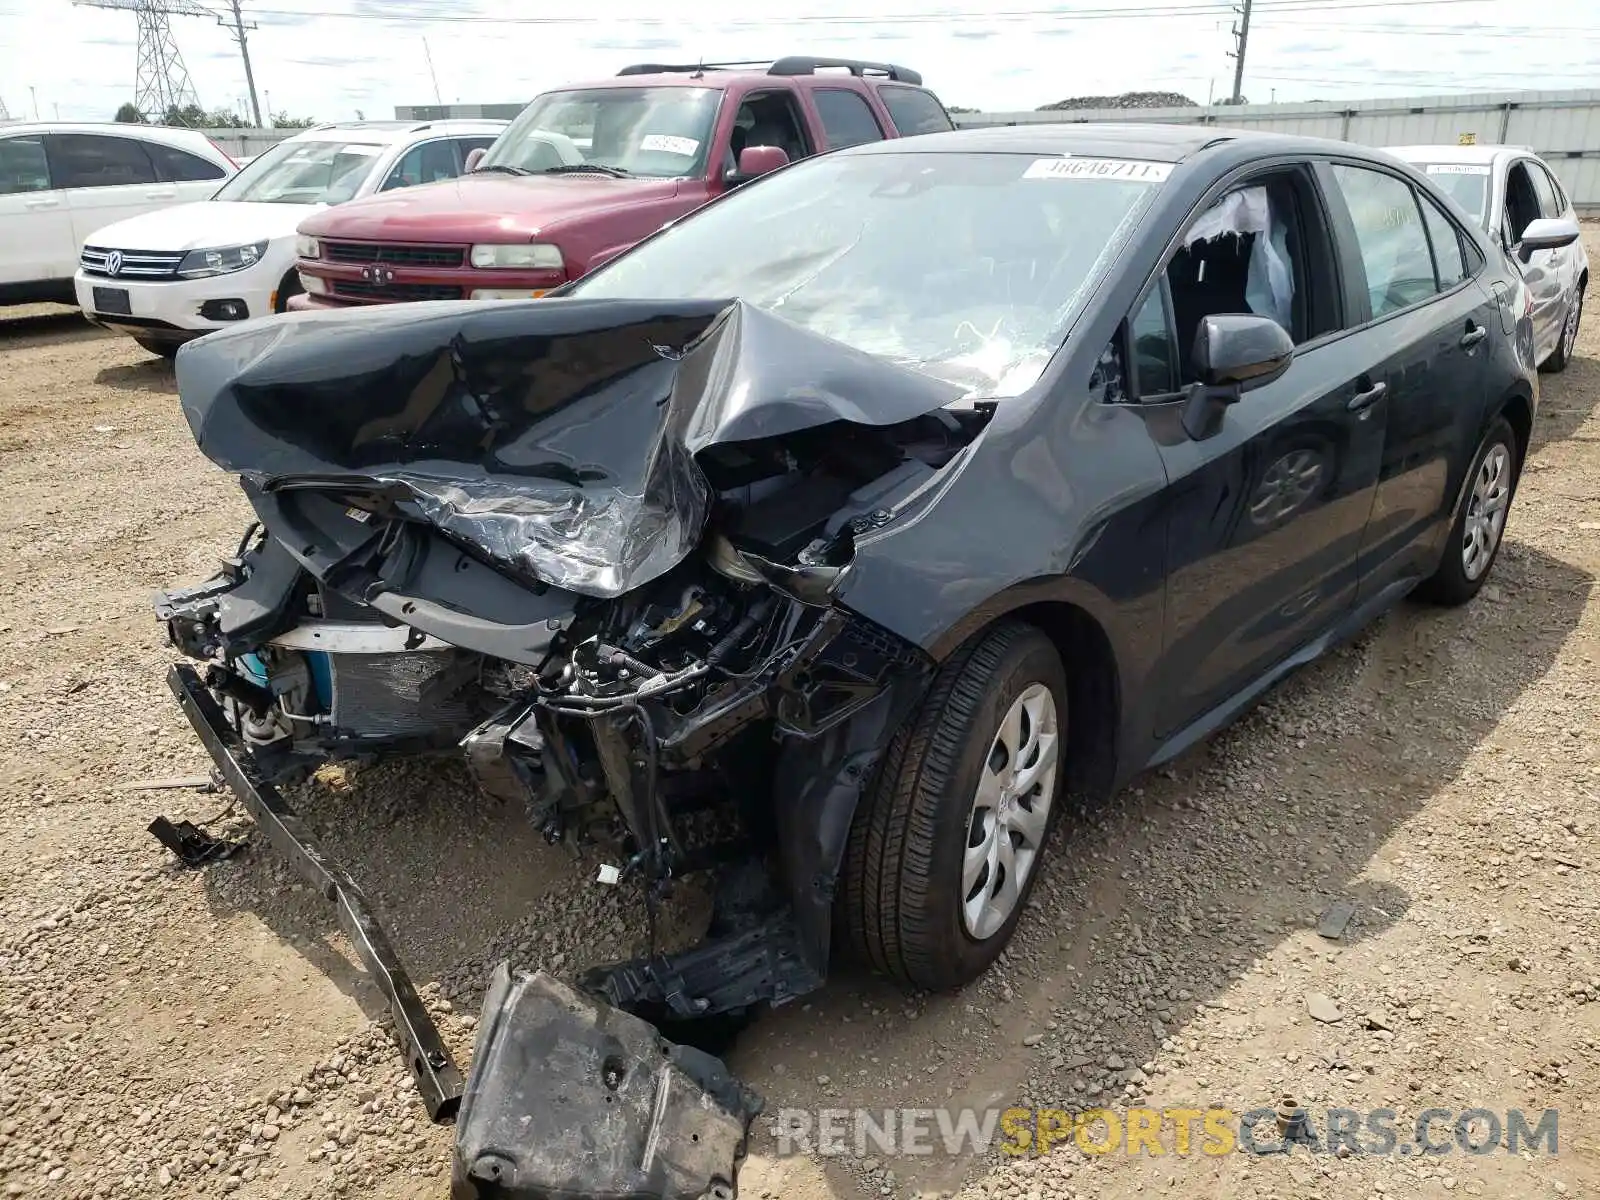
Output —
<point x="667" y="143"/>
<point x="1124" y="170"/>
<point x="1456" y="169"/>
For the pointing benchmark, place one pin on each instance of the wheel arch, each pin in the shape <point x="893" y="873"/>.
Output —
<point x="288" y="286"/>
<point x="1094" y="690"/>
<point x="1518" y="412"/>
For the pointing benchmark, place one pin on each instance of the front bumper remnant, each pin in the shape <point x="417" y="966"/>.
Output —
<point x="437" y="1077"/>
<point x="571" y="1099"/>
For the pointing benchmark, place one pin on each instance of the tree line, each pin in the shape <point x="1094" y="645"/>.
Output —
<point x="192" y="116"/>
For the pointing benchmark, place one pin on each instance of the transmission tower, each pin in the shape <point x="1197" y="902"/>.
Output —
<point x="162" y="81"/>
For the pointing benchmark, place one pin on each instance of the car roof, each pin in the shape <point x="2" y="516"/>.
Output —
<point x="171" y="133"/>
<point x="1112" y="139"/>
<point x="1466" y="155"/>
<point x="393" y="132"/>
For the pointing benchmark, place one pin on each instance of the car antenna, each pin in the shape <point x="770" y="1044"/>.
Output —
<point x="700" y="71"/>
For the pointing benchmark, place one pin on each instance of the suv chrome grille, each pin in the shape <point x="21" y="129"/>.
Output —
<point x="130" y="264"/>
<point x="400" y="256"/>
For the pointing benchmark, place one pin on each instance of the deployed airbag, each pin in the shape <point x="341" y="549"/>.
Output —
<point x="557" y="436"/>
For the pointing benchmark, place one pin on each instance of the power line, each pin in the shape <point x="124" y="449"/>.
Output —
<point x="1206" y="8"/>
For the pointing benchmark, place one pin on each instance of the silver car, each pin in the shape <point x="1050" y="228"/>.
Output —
<point x="1516" y="197"/>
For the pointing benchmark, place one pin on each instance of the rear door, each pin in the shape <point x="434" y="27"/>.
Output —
<point x="106" y="179"/>
<point x="846" y="118"/>
<point x="1425" y="318"/>
<point x="1265" y="516"/>
<point x="1564" y="260"/>
<point x="36" y="239"/>
<point x="914" y="110"/>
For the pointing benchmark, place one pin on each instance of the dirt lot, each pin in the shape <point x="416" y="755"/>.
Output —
<point x="172" y="1033"/>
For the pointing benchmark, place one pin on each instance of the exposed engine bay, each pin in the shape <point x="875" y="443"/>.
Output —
<point x="591" y="546"/>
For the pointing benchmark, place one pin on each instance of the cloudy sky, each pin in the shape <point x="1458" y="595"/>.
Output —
<point x="331" y="59"/>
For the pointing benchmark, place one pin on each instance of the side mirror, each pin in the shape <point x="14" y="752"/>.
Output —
<point x="1547" y="233"/>
<point x="1233" y="354"/>
<point x="474" y="157"/>
<point x="755" y="161"/>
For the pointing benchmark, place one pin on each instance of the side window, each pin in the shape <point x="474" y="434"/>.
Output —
<point x="465" y="146"/>
<point x="1561" y="193"/>
<point x="1248" y="254"/>
<point x="1446" y="239"/>
<point x="179" y="166"/>
<point x="914" y="110"/>
<point x="427" y="163"/>
<point x="847" y="118"/>
<point x="1390" y="237"/>
<point x="1155" y="357"/>
<point x="1545" y="189"/>
<point x="23" y="167"/>
<point x="1522" y="202"/>
<point x="768" y="119"/>
<point x="87" y="160"/>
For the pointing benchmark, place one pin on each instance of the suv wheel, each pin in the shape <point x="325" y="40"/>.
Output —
<point x="947" y="843"/>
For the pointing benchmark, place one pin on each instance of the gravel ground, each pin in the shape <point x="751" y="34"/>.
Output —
<point x="172" y="1033"/>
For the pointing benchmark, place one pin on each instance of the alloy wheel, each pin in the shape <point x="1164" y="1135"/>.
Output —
<point x="1486" y="511"/>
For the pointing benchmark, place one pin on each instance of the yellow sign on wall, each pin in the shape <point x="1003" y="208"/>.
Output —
<point x="1467" y="139"/>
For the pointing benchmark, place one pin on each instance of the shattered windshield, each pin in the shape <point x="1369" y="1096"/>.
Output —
<point x="659" y="132"/>
<point x="310" y="172"/>
<point x="1465" y="183"/>
<point x="968" y="267"/>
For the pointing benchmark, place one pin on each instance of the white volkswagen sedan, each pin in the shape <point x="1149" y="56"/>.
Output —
<point x="173" y="275"/>
<point x="1514" y="195"/>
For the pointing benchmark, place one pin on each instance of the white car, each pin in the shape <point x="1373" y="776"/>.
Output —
<point x="1515" y="196"/>
<point x="60" y="182"/>
<point x="171" y="276"/>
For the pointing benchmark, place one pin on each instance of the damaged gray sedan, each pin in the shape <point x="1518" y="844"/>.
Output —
<point x="879" y="508"/>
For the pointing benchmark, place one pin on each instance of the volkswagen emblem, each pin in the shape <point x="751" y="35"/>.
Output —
<point x="114" y="263"/>
<point x="378" y="273"/>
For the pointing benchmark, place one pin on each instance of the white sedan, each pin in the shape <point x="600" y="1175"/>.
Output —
<point x="1514" y="195"/>
<point x="170" y="276"/>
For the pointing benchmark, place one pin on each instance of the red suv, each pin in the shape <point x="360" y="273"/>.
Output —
<point x="586" y="171"/>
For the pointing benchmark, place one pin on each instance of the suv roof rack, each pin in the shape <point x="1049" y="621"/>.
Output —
<point x="795" y="64"/>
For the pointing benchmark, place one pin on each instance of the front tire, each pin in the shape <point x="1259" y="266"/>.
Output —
<point x="948" y="840"/>
<point x="1566" y="347"/>
<point x="1479" y="527"/>
<point x="166" y="350"/>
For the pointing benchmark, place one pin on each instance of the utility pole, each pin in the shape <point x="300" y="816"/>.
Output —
<point x="35" y="96"/>
<point x="1241" y="34"/>
<point x="240" y="33"/>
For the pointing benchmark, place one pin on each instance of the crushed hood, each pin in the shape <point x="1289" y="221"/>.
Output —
<point x="556" y="436"/>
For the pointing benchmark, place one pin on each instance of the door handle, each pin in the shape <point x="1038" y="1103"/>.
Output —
<point x="161" y="194"/>
<point x="50" y="203"/>
<point x="1473" y="336"/>
<point x="1368" y="398"/>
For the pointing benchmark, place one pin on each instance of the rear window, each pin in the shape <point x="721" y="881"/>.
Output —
<point x="179" y="166"/>
<point x="914" y="110"/>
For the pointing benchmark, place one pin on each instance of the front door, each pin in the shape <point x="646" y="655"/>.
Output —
<point x="107" y="179"/>
<point x="1427" y="321"/>
<point x="1542" y="269"/>
<point x="1266" y="515"/>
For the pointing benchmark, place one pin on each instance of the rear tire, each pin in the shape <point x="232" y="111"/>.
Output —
<point x="1484" y="509"/>
<point x="908" y="904"/>
<point x="1567" y="347"/>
